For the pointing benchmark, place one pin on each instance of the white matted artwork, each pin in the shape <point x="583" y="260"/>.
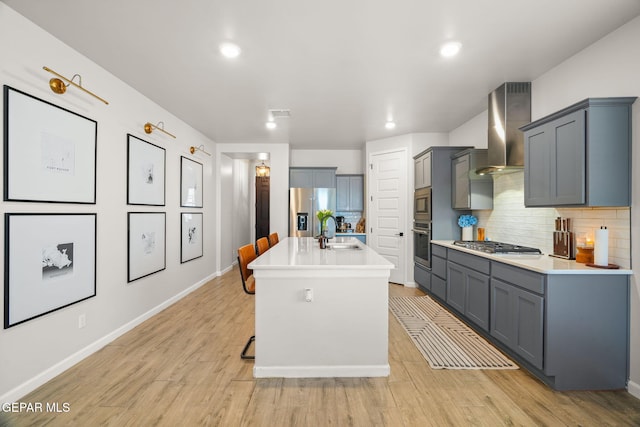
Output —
<point x="191" y="231"/>
<point x="146" y="244"/>
<point x="50" y="263"/>
<point x="49" y="152"/>
<point x="145" y="173"/>
<point x="190" y="183"/>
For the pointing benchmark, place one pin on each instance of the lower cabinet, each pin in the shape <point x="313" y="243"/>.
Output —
<point x="422" y="277"/>
<point x="517" y="318"/>
<point x="570" y="330"/>
<point x="468" y="292"/>
<point x="439" y="272"/>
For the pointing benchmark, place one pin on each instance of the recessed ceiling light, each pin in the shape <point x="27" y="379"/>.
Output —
<point x="390" y="125"/>
<point x="271" y="125"/>
<point x="230" y="50"/>
<point x="450" y="49"/>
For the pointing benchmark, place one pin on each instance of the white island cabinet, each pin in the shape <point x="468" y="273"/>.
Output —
<point x="321" y="312"/>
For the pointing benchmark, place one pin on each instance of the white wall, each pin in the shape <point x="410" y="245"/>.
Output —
<point x="609" y="67"/>
<point x="35" y="351"/>
<point x="472" y="133"/>
<point x="347" y="161"/>
<point x="279" y="192"/>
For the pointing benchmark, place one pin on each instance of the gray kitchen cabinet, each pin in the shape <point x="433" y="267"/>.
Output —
<point x="303" y="177"/>
<point x="569" y="330"/>
<point x="433" y="168"/>
<point x="517" y="320"/>
<point x="422" y="171"/>
<point x="580" y="156"/>
<point x="349" y="193"/>
<point x="468" y="189"/>
<point x="468" y="286"/>
<point x="439" y="272"/>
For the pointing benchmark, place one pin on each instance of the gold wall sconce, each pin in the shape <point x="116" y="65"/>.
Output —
<point x="148" y="128"/>
<point x="58" y="86"/>
<point x="193" y="149"/>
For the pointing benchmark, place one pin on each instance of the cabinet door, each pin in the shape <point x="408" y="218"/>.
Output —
<point x="555" y="162"/>
<point x="456" y="286"/>
<point x="528" y="313"/>
<point x="517" y="319"/>
<point x="461" y="196"/>
<point x="342" y="193"/>
<point x="300" y="178"/>
<point x="537" y="166"/>
<point x="477" y="299"/>
<point x="356" y="193"/>
<point x="324" y="178"/>
<point x="418" y="174"/>
<point x="568" y="159"/>
<point x="502" y="326"/>
<point x="426" y="169"/>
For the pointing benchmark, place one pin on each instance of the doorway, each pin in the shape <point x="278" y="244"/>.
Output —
<point x="262" y="206"/>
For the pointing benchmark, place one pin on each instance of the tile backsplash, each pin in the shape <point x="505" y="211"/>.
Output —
<point x="511" y="222"/>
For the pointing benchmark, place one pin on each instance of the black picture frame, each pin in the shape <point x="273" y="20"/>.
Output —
<point x="63" y="275"/>
<point x="191" y="244"/>
<point x="190" y="183"/>
<point x="146" y="172"/>
<point x="50" y="152"/>
<point x="146" y="244"/>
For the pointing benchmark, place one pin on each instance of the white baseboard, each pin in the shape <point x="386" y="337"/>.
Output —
<point x="228" y="269"/>
<point x="411" y="285"/>
<point x="28" y="386"/>
<point x="633" y="389"/>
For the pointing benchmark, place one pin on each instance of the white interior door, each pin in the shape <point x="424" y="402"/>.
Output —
<point x="388" y="209"/>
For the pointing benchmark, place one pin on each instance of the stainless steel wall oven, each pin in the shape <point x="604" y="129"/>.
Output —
<point x="422" y="244"/>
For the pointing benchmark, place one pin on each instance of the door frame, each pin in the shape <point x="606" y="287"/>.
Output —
<point x="408" y="249"/>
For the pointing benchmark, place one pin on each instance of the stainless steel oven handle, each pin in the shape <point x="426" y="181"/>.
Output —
<point x="420" y="231"/>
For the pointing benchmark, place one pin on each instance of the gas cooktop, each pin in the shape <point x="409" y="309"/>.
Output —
<point x="492" y="247"/>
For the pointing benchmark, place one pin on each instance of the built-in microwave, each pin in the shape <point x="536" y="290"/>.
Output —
<point x="422" y="205"/>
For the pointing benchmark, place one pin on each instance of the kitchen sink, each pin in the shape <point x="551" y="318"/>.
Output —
<point x="343" y="246"/>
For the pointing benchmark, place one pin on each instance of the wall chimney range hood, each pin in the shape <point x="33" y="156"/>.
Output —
<point x="509" y="109"/>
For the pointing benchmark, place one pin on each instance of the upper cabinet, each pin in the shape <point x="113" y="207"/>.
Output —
<point x="422" y="170"/>
<point x="580" y="156"/>
<point x="349" y="193"/>
<point x="312" y="177"/>
<point x="468" y="189"/>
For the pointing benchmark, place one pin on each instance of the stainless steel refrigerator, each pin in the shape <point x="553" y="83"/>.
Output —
<point x="303" y="205"/>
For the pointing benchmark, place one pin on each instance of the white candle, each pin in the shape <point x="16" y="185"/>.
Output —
<point x="601" y="247"/>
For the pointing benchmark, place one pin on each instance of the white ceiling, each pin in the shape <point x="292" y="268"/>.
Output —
<point x="343" y="67"/>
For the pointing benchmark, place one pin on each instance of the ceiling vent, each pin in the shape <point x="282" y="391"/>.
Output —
<point x="280" y="114"/>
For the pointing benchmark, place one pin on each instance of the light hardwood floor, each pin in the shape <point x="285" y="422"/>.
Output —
<point x="183" y="367"/>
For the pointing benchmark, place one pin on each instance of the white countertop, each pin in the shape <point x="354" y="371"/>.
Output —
<point x="304" y="253"/>
<point x="540" y="263"/>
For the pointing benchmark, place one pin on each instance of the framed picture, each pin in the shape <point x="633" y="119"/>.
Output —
<point x="49" y="152"/>
<point x="191" y="232"/>
<point x="146" y="244"/>
<point x="190" y="183"/>
<point x="145" y="173"/>
<point x="50" y="263"/>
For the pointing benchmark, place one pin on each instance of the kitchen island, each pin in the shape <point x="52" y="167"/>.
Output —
<point x="321" y="312"/>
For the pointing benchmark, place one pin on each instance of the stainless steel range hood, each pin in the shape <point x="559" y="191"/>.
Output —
<point x="509" y="109"/>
